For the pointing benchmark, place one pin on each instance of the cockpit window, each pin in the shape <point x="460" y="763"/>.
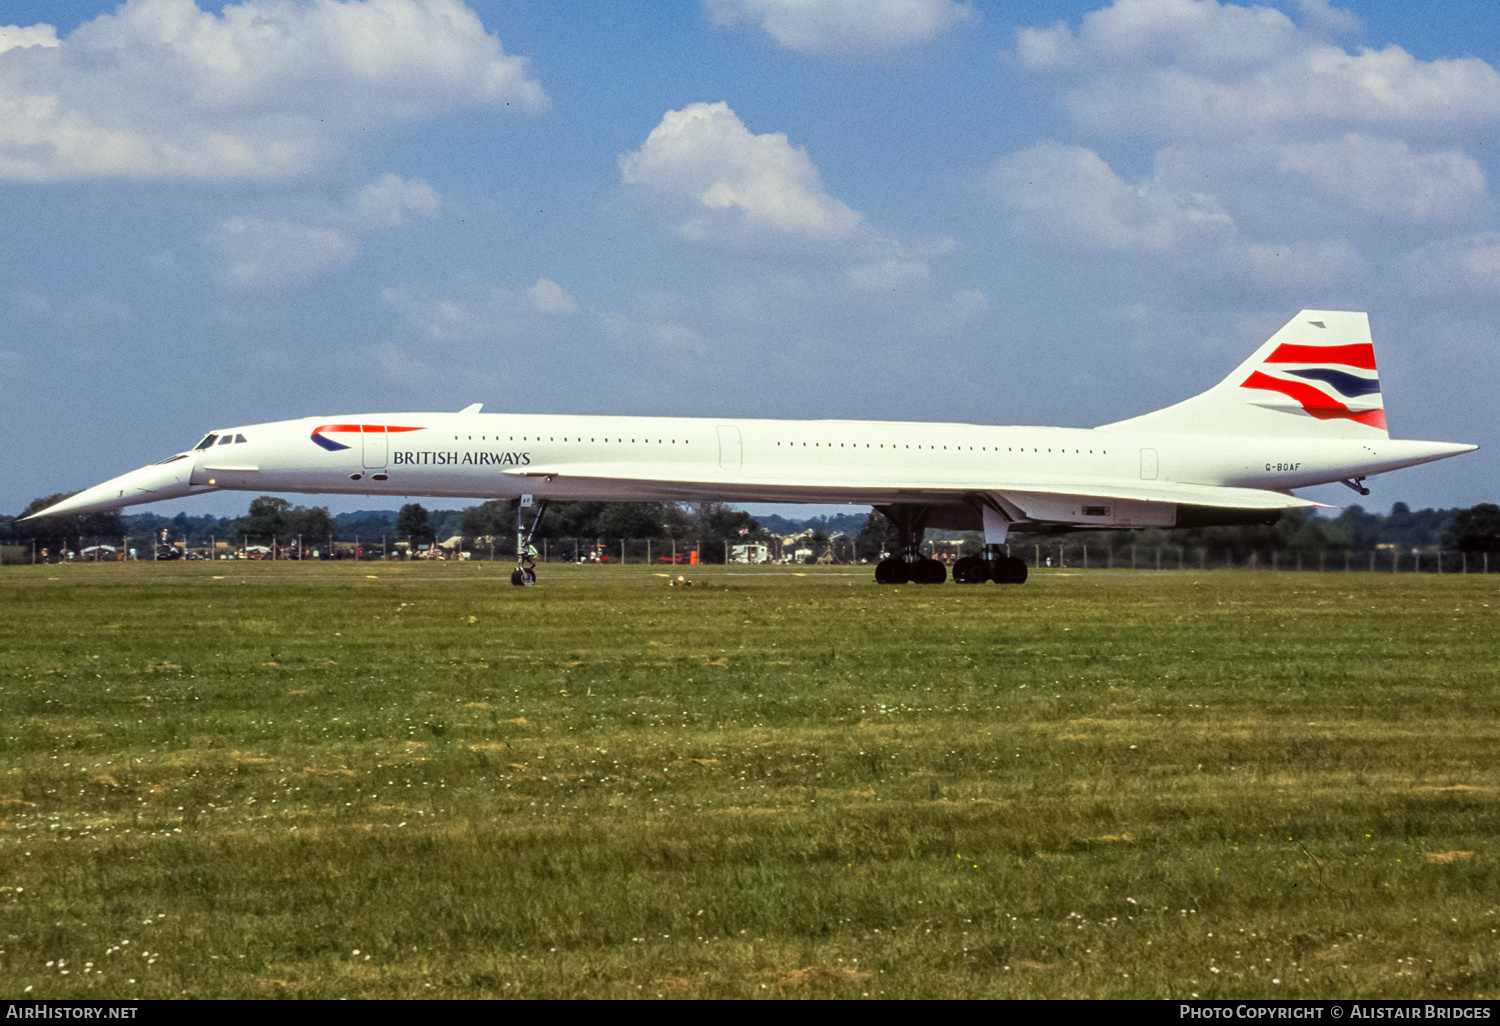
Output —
<point x="207" y="441"/>
<point x="239" y="439"/>
<point x="226" y="440"/>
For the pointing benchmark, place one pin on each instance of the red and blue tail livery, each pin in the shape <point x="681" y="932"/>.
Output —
<point x="319" y="433"/>
<point x="1344" y="386"/>
<point x="1314" y="378"/>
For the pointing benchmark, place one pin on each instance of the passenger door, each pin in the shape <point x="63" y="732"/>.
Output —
<point x="375" y="445"/>
<point x="730" y="453"/>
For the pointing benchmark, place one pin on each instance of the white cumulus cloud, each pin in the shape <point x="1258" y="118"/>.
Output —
<point x="1188" y="68"/>
<point x="1069" y="194"/>
<point x="265" y="251"/>
<point x="797" y="271"/>
<point x="387" y="202"/>
<point x="842" y="25"/>
<point x="663" y="322"/>
<point x="1316" y="262"/>
<point x="14" y="36"/>
<point x="1279" y="150"/>
<point x="1467" y="262"/>
<point x="706" y="170"/>
<point x="398" y="365"/>
<point x="263" y="89"/>
<point x="472" y="313"/>
<point x="1384" y="176"/>
<point x="550" y="297"/>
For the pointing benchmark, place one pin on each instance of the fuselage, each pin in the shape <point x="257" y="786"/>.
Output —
<point x="487" y="456"/>
<point x="503" y="455"/>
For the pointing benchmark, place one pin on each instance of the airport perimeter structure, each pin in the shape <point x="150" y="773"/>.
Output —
<point x="347" y="780"/>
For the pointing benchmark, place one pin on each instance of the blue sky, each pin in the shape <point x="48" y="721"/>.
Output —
<point x="895" y="209"/>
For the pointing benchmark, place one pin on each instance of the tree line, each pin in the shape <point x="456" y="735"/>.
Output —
<point x="708" y="527"/>
<point x="704" y="526"/>
<point x="1475" y="530"/>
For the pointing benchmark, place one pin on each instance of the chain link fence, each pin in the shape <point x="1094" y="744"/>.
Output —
<point x="1082" y="556"/>
<point x="1059" y="555"/>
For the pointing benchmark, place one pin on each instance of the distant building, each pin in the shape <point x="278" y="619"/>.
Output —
<point x="453" y="548"/>
<point x="752" y="552"/>
<point x="800" y="547"/>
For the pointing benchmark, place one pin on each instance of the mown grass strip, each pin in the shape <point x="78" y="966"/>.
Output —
<point x="304" y="780"/>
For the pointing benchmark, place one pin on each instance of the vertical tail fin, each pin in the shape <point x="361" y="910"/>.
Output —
<point x="1316" y="377"/>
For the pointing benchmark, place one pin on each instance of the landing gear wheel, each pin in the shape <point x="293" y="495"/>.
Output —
<point x="524" y="575"/>
<point x="971" y="570"/>
<point x="909" y="565"/>
<point x="1009" y="570"/>
<point x="929" y="571"/>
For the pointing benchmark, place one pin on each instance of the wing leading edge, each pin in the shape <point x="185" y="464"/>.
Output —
<point x="1061" y="501"/>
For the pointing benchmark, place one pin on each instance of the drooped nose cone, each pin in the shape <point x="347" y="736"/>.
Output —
<point x="166" y="480"/>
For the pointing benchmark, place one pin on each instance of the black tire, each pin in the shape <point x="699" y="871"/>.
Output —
<point x="522" y="578"/>
<point x="891" y="571"/>
<point x="1008" y="570"/>
<point x="930" y="571"/>
<point x="971" y="570"/>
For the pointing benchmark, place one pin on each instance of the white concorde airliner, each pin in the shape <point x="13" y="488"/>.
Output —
<point x="1305" y="409"/>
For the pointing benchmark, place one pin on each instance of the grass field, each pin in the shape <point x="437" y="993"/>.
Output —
<point x="330" y="780"/>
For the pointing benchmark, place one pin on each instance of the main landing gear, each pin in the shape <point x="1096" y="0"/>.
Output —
<point x="922" y="571"/>
<point x="910" y="566"/>
<point x="524" y="575"/>
<point x="992" y="566"/>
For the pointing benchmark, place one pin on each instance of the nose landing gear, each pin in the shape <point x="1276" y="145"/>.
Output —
<point x="524" y="575"/>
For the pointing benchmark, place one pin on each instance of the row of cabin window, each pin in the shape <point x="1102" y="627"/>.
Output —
<point x="982" y="448"/>
<point x="526" y="438"/>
